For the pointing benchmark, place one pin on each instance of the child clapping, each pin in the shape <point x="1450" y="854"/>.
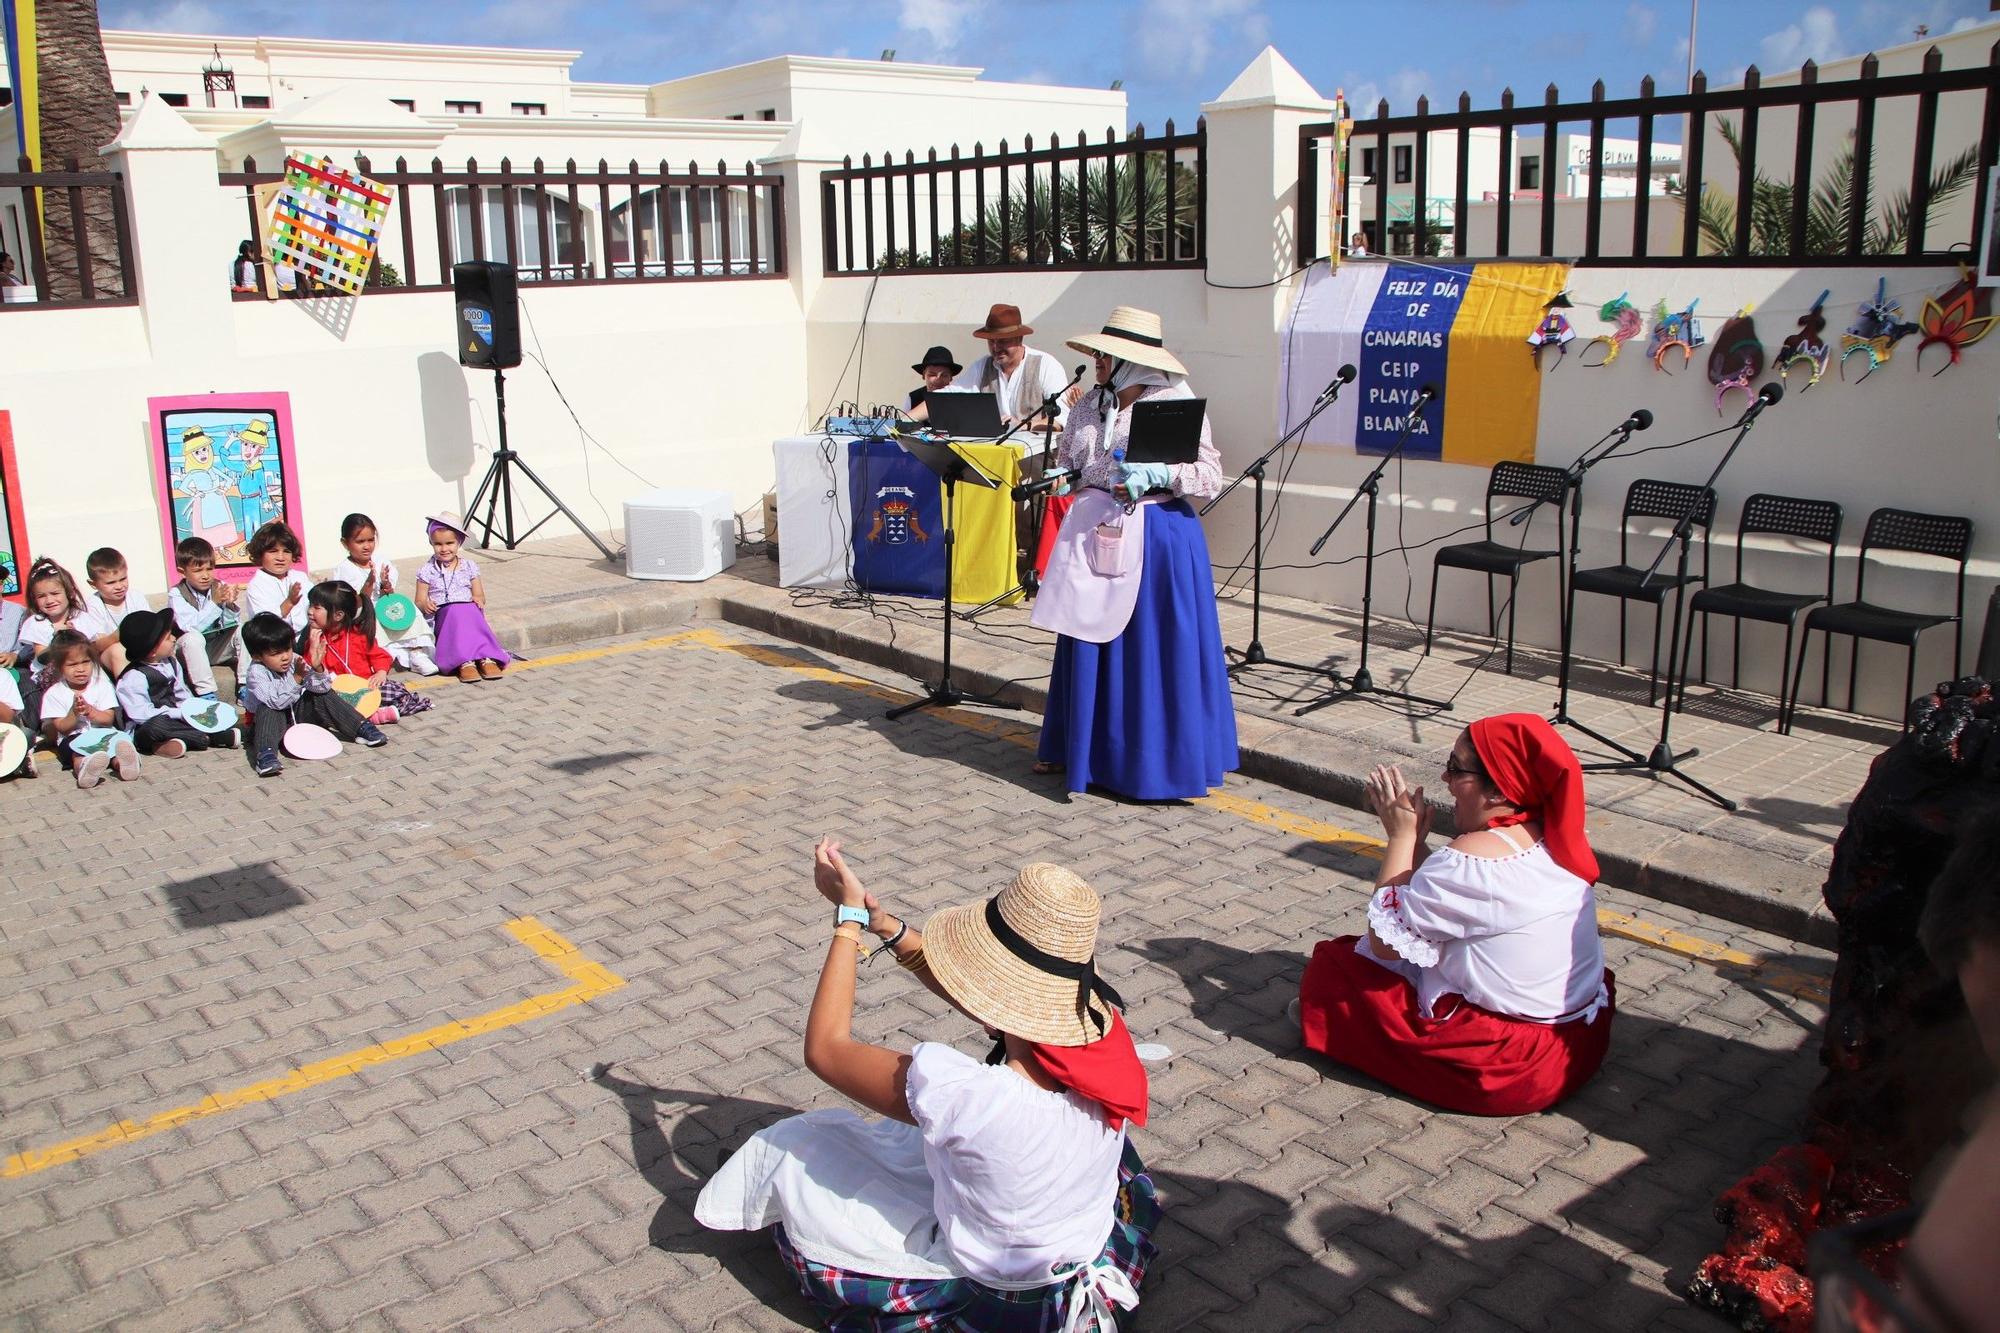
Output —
<point x="78" y="698"/>
<point x="282" y="687"/>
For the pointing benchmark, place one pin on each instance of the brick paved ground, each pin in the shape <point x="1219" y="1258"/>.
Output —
<point x="200" y="931"/>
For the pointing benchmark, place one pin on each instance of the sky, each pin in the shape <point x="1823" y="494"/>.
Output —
<point x="1171" y="54"/>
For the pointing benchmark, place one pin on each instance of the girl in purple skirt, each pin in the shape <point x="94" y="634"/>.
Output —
<point x="451" y="596"/>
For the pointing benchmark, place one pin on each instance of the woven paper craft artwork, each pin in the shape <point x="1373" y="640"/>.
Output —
<point x="327" y="222"/>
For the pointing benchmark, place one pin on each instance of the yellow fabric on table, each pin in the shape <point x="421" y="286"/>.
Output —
<point x="983" y="564"/>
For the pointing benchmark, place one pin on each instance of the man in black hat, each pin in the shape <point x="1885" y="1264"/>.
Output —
<point x="938" y="371"/>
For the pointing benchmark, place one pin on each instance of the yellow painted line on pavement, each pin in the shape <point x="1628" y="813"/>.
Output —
<point x="1766" y="970"/>
<point x="588" y="980"/>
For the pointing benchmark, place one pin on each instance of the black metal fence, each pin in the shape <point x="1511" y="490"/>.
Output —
<point x="71" y="239"/>
<point x="568" y="225"/>
<point x="1830" y="209"/>
<point x="1131" y="202"/>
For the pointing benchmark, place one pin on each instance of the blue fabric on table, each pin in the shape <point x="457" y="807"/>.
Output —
<point x="1149" y="714"/>
<point x="898" y="521"/>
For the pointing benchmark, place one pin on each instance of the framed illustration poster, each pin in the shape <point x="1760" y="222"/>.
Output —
<point x="223" y="466"/>
<point x="14" y="557"/>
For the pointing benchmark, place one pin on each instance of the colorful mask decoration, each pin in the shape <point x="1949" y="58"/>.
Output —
<point x="1626" y="322"/>
<point x="1958" y="318"/>
<point x="1554" y="330"/>
<point x="1808" y="345"/>
<point x="1875" y="334"/>
<point x="1737" y="357"/>
<point x="1675" y="329"/>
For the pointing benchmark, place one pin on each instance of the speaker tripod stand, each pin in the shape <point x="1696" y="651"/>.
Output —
<point x="496" y="488"/>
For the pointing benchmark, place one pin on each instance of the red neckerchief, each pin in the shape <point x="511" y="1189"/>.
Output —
<point x="1107" y="1071"/>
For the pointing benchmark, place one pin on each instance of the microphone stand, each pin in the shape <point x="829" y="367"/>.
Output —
<point x="1662" y="761"/>
<point x="1030" y="581"/>
<point x="1254" y="655"/>
<point x="1361" y="682"/>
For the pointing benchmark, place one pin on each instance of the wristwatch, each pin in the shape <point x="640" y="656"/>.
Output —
<point x="845" y="914"/>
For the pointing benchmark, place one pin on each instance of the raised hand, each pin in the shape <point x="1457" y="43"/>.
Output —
<point x="835" y="882"/>
<point x="293" y="592"/>
<point x="1401" y="808"/>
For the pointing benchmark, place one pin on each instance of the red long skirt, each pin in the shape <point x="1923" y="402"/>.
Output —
<point x="1471" y="1060"/>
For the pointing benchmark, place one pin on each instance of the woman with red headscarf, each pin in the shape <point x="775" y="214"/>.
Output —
<point x="1480" y="985"/>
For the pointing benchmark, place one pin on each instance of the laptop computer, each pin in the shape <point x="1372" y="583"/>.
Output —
<point x="1166" y="430"/>
<point x="966" y="416"/>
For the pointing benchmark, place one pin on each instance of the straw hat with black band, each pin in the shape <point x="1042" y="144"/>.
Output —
<point x="1133" y="335"/>
<point x="1023" y="962"/>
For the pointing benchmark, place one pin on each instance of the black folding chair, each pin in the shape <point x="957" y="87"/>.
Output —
<point x="1945" y="536"/>
<point x="1647" y="499"/>
<point x="1528" y="481"/>
<point x="1781" y="516"/>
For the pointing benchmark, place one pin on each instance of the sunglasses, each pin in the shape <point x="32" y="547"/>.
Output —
<point x="1453" y="769"/>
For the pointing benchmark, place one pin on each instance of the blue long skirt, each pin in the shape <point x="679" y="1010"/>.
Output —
<point x="1148" y="715"/>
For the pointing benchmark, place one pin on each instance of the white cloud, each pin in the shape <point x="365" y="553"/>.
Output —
<point x="1641" y="23"/>
<point x="1969" y="21"/>
<point x="1816" y="36"/>
<point x="1178" y="38"/>
<point x="942" y="21"/>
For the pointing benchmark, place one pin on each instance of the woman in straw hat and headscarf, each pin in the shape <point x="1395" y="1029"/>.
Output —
<point x="994" y="1196"/>
<point x="1480" y="985"/>
<point x="1139" y="696"/>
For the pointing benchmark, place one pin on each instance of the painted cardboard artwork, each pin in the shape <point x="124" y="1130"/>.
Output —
<point x="14" y="557"/>
<point x="224" y="466"/>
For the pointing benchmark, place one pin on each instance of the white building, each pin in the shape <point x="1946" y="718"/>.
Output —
<point x="1565" y="173"/>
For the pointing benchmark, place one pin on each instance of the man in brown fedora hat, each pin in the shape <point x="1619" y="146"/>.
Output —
<point x="1017" y="374"/>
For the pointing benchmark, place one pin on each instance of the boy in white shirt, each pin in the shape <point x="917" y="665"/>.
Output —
<point x="277" y="588"/>
<point x="205" y="613"/>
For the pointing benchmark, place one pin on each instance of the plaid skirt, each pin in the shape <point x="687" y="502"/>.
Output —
<point x="863" y="1303"/>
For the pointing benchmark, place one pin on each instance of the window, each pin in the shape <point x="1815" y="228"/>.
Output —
<point x="531" y="108"/>
<point x="407" y="103"/>
<point x="174" y="99"/>
<point x="124" y="99"/>
<point x="1402" y="158"/>
<point x="666" y="232"/>
<point x="564" y="251"/>
<point x="252" y="102"/>
<point x="461" y="108"/>
<point x="768" y="113"/>
<point x="737" y="116"/>
<point x="1531" y="173"/>
<point x="1368" y="163"/>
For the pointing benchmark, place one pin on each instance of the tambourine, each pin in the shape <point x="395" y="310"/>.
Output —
<point x="13" y="749"/>
<point x="358" y="692"/>
<point x="210" y="716"/>
<point x="304" y="740"/>
<point x="395" y="612"/>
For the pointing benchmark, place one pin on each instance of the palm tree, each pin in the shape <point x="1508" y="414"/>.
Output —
<point x="1827" y="208"/>
<point x="1110" y="228"/>
<point x="79" y="115"/>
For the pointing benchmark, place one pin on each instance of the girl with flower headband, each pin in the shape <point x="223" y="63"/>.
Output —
<point x="453" y="599"/>
<point x="1480" y="985"/>
<point x="999" y="1196"/>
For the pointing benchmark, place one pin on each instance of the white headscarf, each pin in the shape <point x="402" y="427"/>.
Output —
<point x="1125" y="375"/>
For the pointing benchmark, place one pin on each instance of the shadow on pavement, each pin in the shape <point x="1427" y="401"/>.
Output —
<point x="239" y="894"/>
<point x="926" y="736"/>
<point x="679" y="1137"/>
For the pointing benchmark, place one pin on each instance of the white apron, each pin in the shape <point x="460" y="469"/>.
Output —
<point x="1092" y="581"/>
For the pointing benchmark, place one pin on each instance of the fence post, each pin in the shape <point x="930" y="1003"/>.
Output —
<point x="1253" y="205"/>
<point x="182" y="219"/>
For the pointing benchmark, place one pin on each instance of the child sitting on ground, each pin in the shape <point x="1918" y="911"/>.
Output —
<point x="14" y="718"/>
<point x="153" y="689"/>
<point x="205" y="609"/>
<point x="450" y="594"/>
<point x="78" y="697"/>
<point x="111" y="593"/>
<point x="276" y="587"/>
<point x="280" y="689"/>
<point x="58" y="605"/>
<point x="373" y="578"/>
<point x="348" y="648"/>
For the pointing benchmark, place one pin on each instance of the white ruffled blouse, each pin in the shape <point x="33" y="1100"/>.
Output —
<point x="1513" y="934"/>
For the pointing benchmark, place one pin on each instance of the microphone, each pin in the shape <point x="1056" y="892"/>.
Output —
<point x="1766" y="396"/>
<point x="1639" y="420"/>
<point x="1345" y="375"/>
<point x="1424" y="396"/>
<point x="1051" y="479"/>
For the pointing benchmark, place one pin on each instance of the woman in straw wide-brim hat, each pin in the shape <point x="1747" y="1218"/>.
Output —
<point x="995" y="1196"/>
<point x="1139" y="695"/>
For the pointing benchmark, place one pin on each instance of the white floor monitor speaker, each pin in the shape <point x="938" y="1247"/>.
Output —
<point x="675" y="533"/>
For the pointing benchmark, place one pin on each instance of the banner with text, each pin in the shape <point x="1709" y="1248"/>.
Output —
<point x="1461" y="327"/>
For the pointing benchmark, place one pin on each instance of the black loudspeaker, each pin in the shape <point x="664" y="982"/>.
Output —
<point x="489" y="314"/>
